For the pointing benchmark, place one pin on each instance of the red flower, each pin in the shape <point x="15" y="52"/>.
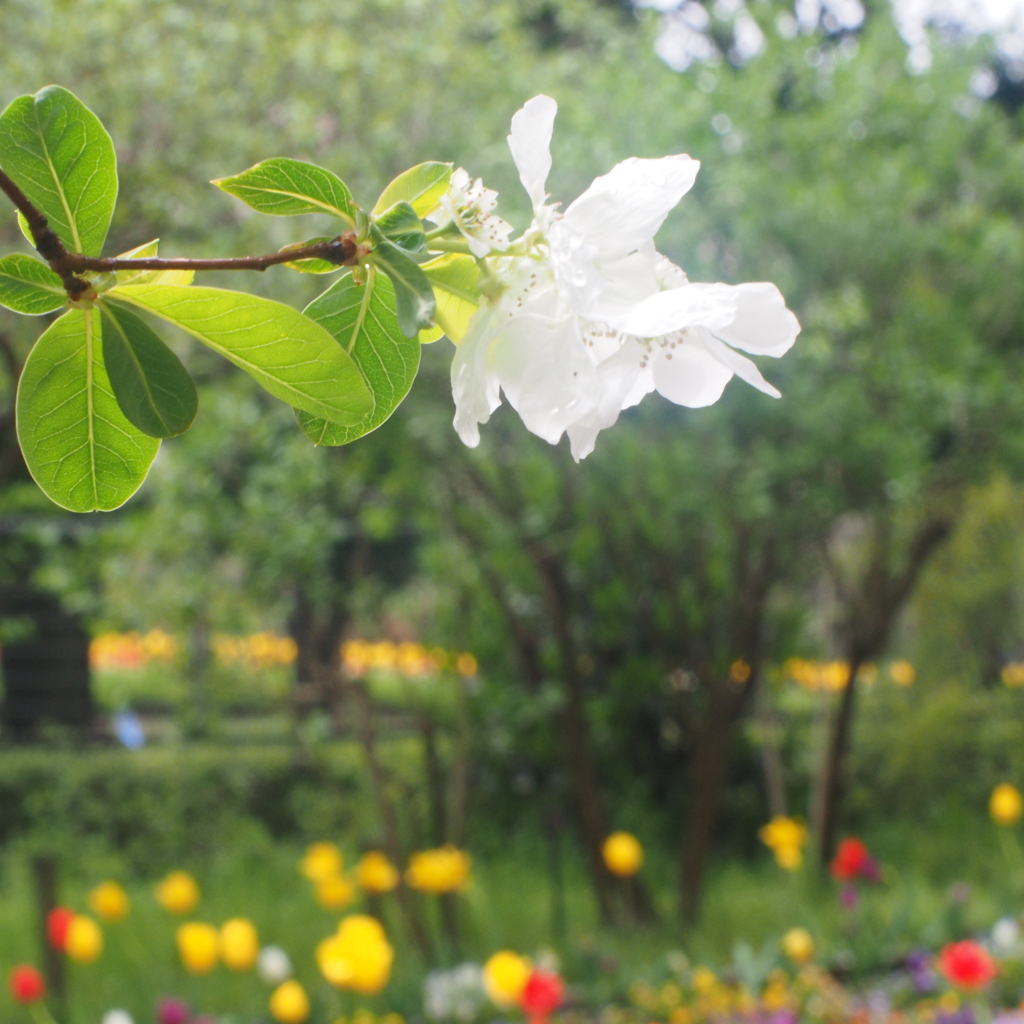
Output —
<point x="542" y="993"/>
<point x="967" y="965"/>
<point x="852" y="860"/>
<point x="58" y="921"/>
<point x="26" y="984"/>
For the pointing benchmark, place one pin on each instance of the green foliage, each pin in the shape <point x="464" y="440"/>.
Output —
<point x="414" y="298"/>
<point x="421" y="187"/>
<point x="400" y="225"/>
<point x="284" y="188"/>
<point x="455" y="280"/>
<point x="79" y="446"/>
<point x="288" y="355"/>
<point x="362" y="319"/>
<point x="29" y="286"/>
<point x="160" y="808"/>
<point x="55" y="148"/>
<point x="151" y="386"/>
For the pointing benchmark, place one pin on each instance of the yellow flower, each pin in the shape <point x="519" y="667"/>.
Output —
<point x="798" y="945"/>
<point x="505" y="976"/>
<point x="109" y="901"/>
<point x="739" y="671"/>
<point x="903" y="673"/>
<point x="466" y="664"/>
<point x="670" y="994"/>
<point x="178" y="892"/>
<point x="84" y="940"/>
<point x="1013" y="674"/>
<point x="198" y="946"/>
<point x="322" y="860"/>
<point x="239" y="944"/>
<point x="1005" y="804"/>
<point x="335" y="892"/>
<point x="785" y="837"/>
<point x="622" y="854"/>
<point x="375" y="873"/>
<point x="358" y="957"/>
<point x="289" y="1003"/>
<point x="703" y="980"/>
<point x="445" y="869"/>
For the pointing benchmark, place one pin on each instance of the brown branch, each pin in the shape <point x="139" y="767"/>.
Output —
<point x="45" y="239"/>
<point x="342" y="251"/>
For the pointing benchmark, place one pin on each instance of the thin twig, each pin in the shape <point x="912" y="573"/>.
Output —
<point x="342" y="251"/>
<point x="46" y="240"/>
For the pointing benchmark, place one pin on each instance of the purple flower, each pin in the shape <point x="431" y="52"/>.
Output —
<point x="172" y="1011"/>
<point x="964" y="1015"/>
<point x="919" y="966"/>
<point x="848" y="896"/>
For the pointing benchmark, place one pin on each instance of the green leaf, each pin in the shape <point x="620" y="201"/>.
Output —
<point x="295" y="359"/>
<point x="362" y="318"/>
<point x="78" y="445"/>
<point x="29" y="286"/>
<point x="456" y="282"/>
<point x="400" y="225"/>
<point x="430" y="334"/>
<point x="62" y="158"/>
<point x="311" y="266"/>
<point x="286" y="187"/>
<point x="151" y="276"/>
<point x="421" y="187"/>
<point x="151" y="386"/>
<point x="414" y="298"/>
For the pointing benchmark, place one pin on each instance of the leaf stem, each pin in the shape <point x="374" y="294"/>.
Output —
<point x="343" y="251"/>
<point x="459" y="245"/>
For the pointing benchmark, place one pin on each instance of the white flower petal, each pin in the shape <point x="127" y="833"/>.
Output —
<point x="690" y="305"/>
<point x="624" y="208"/>
<point x="474" y="382"/>
<point x="642" y="386"/>
<point x="545" y="373"/>
<point x="762" y="324"/>
<point x="530" y="142"/>
<point x="477" y="246"/>
<point x="740" y="365"/>
<point x="616" y="379"/>
<point x="689" y="375"/>
<point x="626" y="281"/>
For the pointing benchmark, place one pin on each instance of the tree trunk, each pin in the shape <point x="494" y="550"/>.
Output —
<point x="832" y="786"/>
<point x="710" y="761"/>
<point x="872" y="607"/>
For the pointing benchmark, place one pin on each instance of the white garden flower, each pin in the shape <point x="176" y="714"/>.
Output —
<point x="469" y="205"/>
<point x="273" y="965"/>
<point x="457" y="994"/>
<point x="589" y="317"/>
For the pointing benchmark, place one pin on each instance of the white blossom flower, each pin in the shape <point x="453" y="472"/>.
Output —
<point x="1005" y="934"/>
<point x="470" y="206"/>
<point x="117" y="1017"/>
<point x="589" y="317"/>
<point x="457" y="994"/>
<point x="273" y="965"/>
